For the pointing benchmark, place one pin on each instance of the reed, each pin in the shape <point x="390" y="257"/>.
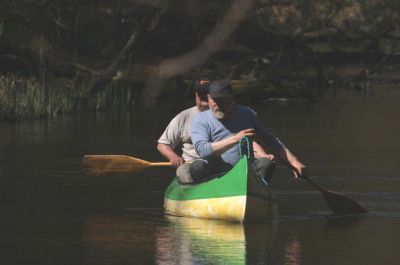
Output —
<point x="25" y="97"/>
<point x="117" y="95"/>
<point x="19" y="97"/>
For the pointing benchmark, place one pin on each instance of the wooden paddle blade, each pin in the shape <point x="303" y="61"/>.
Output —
<point x="340" y="204"/>
<point x="97" y="165"/>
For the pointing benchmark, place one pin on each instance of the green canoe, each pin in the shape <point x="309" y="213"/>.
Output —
<point x="239" y="195"/>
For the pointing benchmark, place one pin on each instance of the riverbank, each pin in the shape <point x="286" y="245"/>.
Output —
<point x="29" y="97"/>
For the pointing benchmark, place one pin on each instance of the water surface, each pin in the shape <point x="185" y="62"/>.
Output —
<point x="53" y="214"/>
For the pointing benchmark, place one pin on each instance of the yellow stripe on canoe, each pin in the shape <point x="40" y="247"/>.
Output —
<point x="226" y="208"/>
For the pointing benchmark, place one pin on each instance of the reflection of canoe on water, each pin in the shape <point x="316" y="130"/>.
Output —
<point x="239" y="195"/>
<point x="201" y="241"/>
<point x="209" y="230"/>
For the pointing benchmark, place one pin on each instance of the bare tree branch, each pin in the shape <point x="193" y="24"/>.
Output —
<point x="106" y="76"/>
<point x="178" y="65"/>
<point x="212" y="43"/>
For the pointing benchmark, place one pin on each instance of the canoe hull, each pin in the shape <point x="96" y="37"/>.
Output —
<point x="227" y="208"/>
<point x="237" y="196"/>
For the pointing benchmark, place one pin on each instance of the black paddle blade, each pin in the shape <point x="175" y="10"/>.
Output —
<point x="340" y="204"/>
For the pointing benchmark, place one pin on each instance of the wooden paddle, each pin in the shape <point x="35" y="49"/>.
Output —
<point x="338" y="203"/>
<point x="97" y="165"/>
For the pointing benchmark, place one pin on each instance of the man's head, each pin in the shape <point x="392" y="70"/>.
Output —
<point x="201" y="90"/>
<point x="221" y="99"/>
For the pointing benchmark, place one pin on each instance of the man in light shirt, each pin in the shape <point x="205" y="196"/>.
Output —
<point x="178" y="133"/>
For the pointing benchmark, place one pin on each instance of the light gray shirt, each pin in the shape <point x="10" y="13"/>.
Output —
<point x="178" y="133"/>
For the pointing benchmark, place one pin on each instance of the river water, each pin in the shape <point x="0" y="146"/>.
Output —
<point x="51" y="213"/>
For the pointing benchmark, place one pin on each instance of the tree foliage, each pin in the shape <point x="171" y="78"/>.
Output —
<point x="266" y="42"/>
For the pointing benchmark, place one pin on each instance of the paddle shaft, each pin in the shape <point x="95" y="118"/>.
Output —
<point x="97" y="165"/>
<point x="318" y="187"/>
<point x="337" y="202"/>
<point x="160" y="164"/>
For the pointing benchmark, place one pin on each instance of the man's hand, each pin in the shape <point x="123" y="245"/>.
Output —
<point x="246" y="132"/>
<point x="220" y="147"/>
<point x="269" y="156"/>
<point x="169" y="153"/>
<point x="259" y="152"/>
<point x="258" y="155"/>
<point x="300" y="168"/>
<point x="176" y="161"/>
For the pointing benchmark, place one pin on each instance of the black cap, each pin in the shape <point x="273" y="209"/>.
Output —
<point x="220" y="89"/>
<point x="201" y="86"/>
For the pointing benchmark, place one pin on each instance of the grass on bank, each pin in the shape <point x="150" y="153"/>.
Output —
<point x="24" y="97"/>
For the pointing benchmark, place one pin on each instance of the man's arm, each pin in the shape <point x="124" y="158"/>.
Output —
<point x="202" y="140"/>
<point x="220" y="147"/>
<point x="272" y="143"/>
<point x="169" y="140"/>
<point x="200" y="137"/>
<point x="169" y="153"/>
<point x="294" y="161"/>
<point x="283" y="153"/>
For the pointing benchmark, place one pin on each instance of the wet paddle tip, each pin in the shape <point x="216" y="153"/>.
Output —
<point x="352" y="211"/>
<point x="342" y="205"/>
